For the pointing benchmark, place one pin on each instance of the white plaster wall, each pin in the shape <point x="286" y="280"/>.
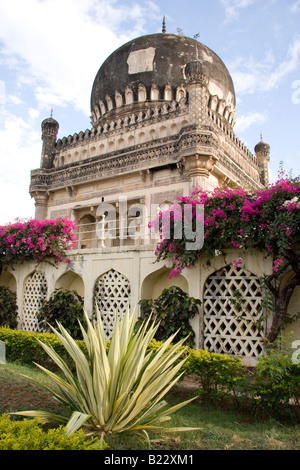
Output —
<point x="147" y="278"/>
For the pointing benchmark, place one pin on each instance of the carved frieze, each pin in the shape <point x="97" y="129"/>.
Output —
<point x="145" y="156"/>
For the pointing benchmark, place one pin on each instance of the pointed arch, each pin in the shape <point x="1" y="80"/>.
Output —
<point x="7" y="279"/>
<point x="70" y="281"/>
<point x="157" y="281"/>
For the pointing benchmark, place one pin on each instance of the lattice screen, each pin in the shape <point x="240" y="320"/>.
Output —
<point x="226" y="329"/>
<point x="112" y="294"/>
<point x="35" y="293"/>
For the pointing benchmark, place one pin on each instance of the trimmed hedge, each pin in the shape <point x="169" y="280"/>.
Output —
<point x="22" y="347"/>
<point x="272" y="385"/>
<point x="29" y="434"/>
<point x="220" y="375"/>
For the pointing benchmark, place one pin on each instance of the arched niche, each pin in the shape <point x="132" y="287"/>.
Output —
<point x="120" y="144"/>
<point x="168" y="93"/>
<point x="163" y="131"/>
<point x="128" y="95"/>
<point x="174" y="129"/>
<point x="70" y="281"/>
<point x="141" y="137"/>
<point x="156" y="282"/>
<point x="8" y="280"/>
<point x="118" y="99"/>
<point x="142" y="94"/>
<point x="154" y="94"/>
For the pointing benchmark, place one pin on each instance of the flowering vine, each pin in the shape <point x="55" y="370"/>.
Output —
<point x="36" y="240"/>
<point x="267" y="220"/>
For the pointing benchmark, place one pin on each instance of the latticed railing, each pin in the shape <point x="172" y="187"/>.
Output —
<point x="130" y="232"/>
<point x="233" y="326"/>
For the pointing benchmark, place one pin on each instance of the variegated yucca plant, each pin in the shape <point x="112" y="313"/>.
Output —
<point x="117" y="388"/>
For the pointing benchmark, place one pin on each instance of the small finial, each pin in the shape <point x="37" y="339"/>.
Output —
<point x="261" y="137"/>
<point x="51" y="112"/>
<point x="164" y="30"/>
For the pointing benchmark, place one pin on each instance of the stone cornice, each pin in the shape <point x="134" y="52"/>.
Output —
<point x="145" y="156"/>
<point x="162" y="152"/>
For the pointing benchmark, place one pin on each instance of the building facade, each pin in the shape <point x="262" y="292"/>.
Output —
<point x="162" y="114"/>
<point x="162" y="123"/>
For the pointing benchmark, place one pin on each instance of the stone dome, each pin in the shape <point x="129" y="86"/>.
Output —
<point x="158" y="60"/>
<point x="262" y="147"/>
<point x="50" y="124"/>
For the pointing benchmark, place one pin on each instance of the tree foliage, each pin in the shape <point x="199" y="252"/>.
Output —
<point x="36" y="240"/>
<point x="8" y="308"/>
<point x="266" y="220"/>
<point x="65" y="307"/>
<point x="173" y="310"/>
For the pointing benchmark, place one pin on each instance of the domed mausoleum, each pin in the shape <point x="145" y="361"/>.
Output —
<point x="162" y="113"/>
<point x="163" y="110"/>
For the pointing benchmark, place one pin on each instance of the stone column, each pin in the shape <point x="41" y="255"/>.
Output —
<point x="199" y="163"/>
<point x="198" y="168"/>
<point x="197" y="87"/>
<point x="41" y="204"/>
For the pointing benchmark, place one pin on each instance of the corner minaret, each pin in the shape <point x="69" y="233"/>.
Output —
<point x="200" y="158"/>
<point x="49" y="136"/>
<point x="262" y="152"/>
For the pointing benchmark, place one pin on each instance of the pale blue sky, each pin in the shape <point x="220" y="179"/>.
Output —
<point x="51" y="50"/>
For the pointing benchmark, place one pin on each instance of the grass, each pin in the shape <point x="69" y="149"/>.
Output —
<point x="222" y="426"/>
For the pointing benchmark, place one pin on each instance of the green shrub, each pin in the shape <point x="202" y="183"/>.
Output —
<point x="220" y="375"/>
<point x="30" y="435"/>
<point x="22" y="347"/>
<point x="173" y="309"/>
<point x="64" y="307"/>
<point x="8" y="308"/>
<point x="276" y="383"/>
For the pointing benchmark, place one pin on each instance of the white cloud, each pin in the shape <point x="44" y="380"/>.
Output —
<point x="20" y="152"/>
<point x="233" y="7"/>
<point x="51" y="49"/>
<point x="295" y="6"/>
<point x="285" y="67"/>
<point x="2" y="92"/>
<point x="60" y="57"/>
<point x="244" y="122"/>
<point x="253" y="76"/>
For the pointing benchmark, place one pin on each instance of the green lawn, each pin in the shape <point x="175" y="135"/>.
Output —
<point x="222" y="426"/>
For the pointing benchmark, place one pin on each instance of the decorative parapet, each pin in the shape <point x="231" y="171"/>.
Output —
<point x="170" y="150"/>
<point x="125" y="120"/>
<point x="137" y="158"/>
